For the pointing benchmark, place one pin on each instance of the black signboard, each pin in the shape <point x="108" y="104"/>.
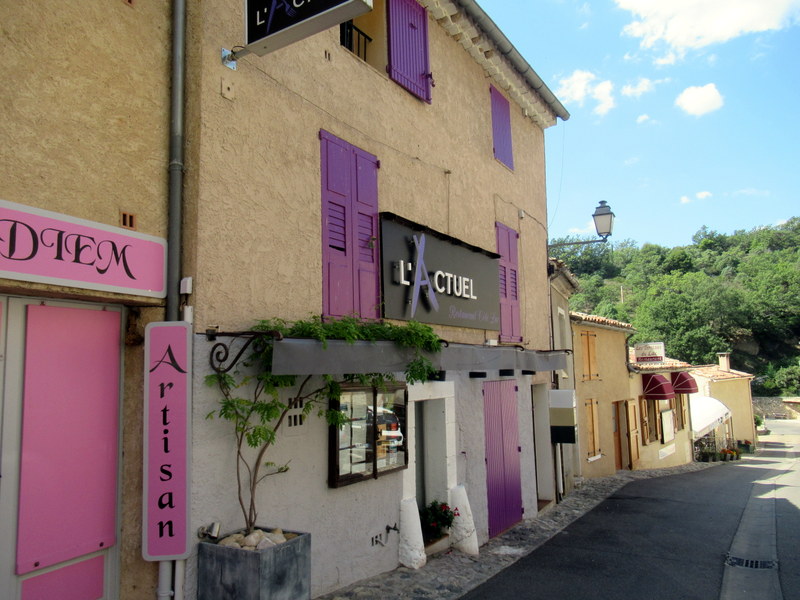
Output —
<point x="430" y="277"/>
<point x="272" y="24"/>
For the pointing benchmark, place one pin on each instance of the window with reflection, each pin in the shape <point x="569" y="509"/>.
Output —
<point x="373" y="440"/>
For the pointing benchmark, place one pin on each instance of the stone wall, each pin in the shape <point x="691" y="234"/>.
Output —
<point x="776" y="408"/>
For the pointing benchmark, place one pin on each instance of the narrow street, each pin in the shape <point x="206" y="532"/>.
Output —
<point x="729" y="532"/>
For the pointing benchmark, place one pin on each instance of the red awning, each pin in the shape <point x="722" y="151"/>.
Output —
<point x="683" y="383"/>
<point x="657" y="387"/>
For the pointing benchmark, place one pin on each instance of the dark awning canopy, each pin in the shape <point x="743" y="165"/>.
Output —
<point x="308" y="357"/>
<point x="657" y="387"/>
<point x="683" y="383"/>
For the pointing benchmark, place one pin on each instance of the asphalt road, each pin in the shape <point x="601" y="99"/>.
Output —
<point x="668" y="538"/>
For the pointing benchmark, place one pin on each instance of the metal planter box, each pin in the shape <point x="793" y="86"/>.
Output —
<point x="281" y="572"/>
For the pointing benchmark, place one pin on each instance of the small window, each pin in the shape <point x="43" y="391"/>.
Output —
<point x="393" y="38"/>
<point x="373" y="440"/>
<point x="501" y="128"/>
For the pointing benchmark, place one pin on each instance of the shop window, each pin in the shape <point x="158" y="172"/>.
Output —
<point x="501" y="128"/>
<point x="510" y="324"/>
<point x="589" y="368"/>
<point x="593" y="428"/>
<point x="373" y="440"/>
<point x="651" y="420"/>
<point x="350" y="261"/>
<point x="393" y="37"/>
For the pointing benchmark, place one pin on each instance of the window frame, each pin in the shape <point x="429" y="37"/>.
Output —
<point x="337" y="480"/>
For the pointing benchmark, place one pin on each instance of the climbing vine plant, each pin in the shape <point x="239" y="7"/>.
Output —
<point x="252" y="402"/>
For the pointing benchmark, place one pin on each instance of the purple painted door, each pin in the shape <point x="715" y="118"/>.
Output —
<point x="68" y="464"/>
<point x="503" y="475"/>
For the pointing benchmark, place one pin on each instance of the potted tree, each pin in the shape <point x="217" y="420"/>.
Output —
<point x="255" y="562"/>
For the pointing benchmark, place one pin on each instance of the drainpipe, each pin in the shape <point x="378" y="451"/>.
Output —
<point x="176" y="136"/>
<point x="175" y="216"/>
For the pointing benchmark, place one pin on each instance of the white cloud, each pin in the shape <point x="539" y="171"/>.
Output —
<point x="700" y="100"/>
<point x="681" y="25"/>
<point x="751" y="192"/>
<point x="642" y="119"/>
<point x="589" y="228"/>
<point x="629" y="162"/>
<point x="642" y="86"/>
<point x="699" y="196"/>
<point x="605" y="100"/>
<point x="582" y="85"/>
<point x="780" y="222"/>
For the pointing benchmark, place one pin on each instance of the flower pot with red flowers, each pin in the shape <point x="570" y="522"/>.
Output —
<point x="436" y="518"/>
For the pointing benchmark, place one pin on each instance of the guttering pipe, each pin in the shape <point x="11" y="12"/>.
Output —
<point x="507" y="49"/>
<point x="176" y="141"/>
<point x="174" y="215"/>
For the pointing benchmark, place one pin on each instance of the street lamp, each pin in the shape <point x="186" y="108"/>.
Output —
<point x="603" y="223"/>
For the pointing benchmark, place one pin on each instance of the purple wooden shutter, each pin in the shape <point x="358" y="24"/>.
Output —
<point x="510" y="327"/>
<point x="501" y="128"/>
<point x="503" y="473"/>
<point x="408" y="47"/>
<point x="349" y="229"/>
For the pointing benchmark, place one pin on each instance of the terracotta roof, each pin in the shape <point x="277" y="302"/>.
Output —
<point x="602" y="321"/>
<point x="715" y="373"/>
<point x="667" y="365"/>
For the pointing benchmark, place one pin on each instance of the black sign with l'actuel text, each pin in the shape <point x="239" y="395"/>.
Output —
<point x="267" y="17"/>
<point x="432" y="278"/>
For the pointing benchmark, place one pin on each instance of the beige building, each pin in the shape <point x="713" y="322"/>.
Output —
<point x="309" y="182"/>
<point x="731" y="389"/>
<point x="662" y="389"/>
<point x="607" y="421"/>
<point x="563" y="403"/>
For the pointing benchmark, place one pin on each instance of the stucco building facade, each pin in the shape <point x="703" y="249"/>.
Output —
<point x="300" y="174"/>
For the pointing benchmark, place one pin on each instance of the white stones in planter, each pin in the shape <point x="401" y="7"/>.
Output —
<point x="258" y="540"/>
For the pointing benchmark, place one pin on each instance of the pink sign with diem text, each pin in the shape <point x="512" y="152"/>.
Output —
<point x="46" y="247"/>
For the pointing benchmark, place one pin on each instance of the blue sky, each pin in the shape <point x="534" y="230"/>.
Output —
<point x="684" y="113"/>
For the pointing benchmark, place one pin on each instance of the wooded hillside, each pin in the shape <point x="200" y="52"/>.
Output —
<point x="737" y="293"/>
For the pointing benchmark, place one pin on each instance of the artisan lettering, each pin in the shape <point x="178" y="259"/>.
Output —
<point x="22" y="242"/>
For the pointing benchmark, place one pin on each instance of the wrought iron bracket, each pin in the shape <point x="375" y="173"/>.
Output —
<point x="221" y="351"/>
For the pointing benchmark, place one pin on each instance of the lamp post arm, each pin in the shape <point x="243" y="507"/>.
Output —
<point x="603" y="240"/>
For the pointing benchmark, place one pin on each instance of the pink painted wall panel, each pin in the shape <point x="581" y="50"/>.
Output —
<point x="70" y="423"/>
<point x="81" y="581"/>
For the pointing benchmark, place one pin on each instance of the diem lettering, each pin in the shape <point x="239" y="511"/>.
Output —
<point x="21" y="241"/>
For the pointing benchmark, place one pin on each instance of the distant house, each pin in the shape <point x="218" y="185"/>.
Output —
<point x="722" y="389"/>
<point x="662" y="389"/>
<point x="607" y="414"/>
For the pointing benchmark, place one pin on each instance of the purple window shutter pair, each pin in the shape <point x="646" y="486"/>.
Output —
<point x="409" y="65"/>
<point x="349" y="230"/>
<point x="501" y="128"/>
<point x="510" y="327"/>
